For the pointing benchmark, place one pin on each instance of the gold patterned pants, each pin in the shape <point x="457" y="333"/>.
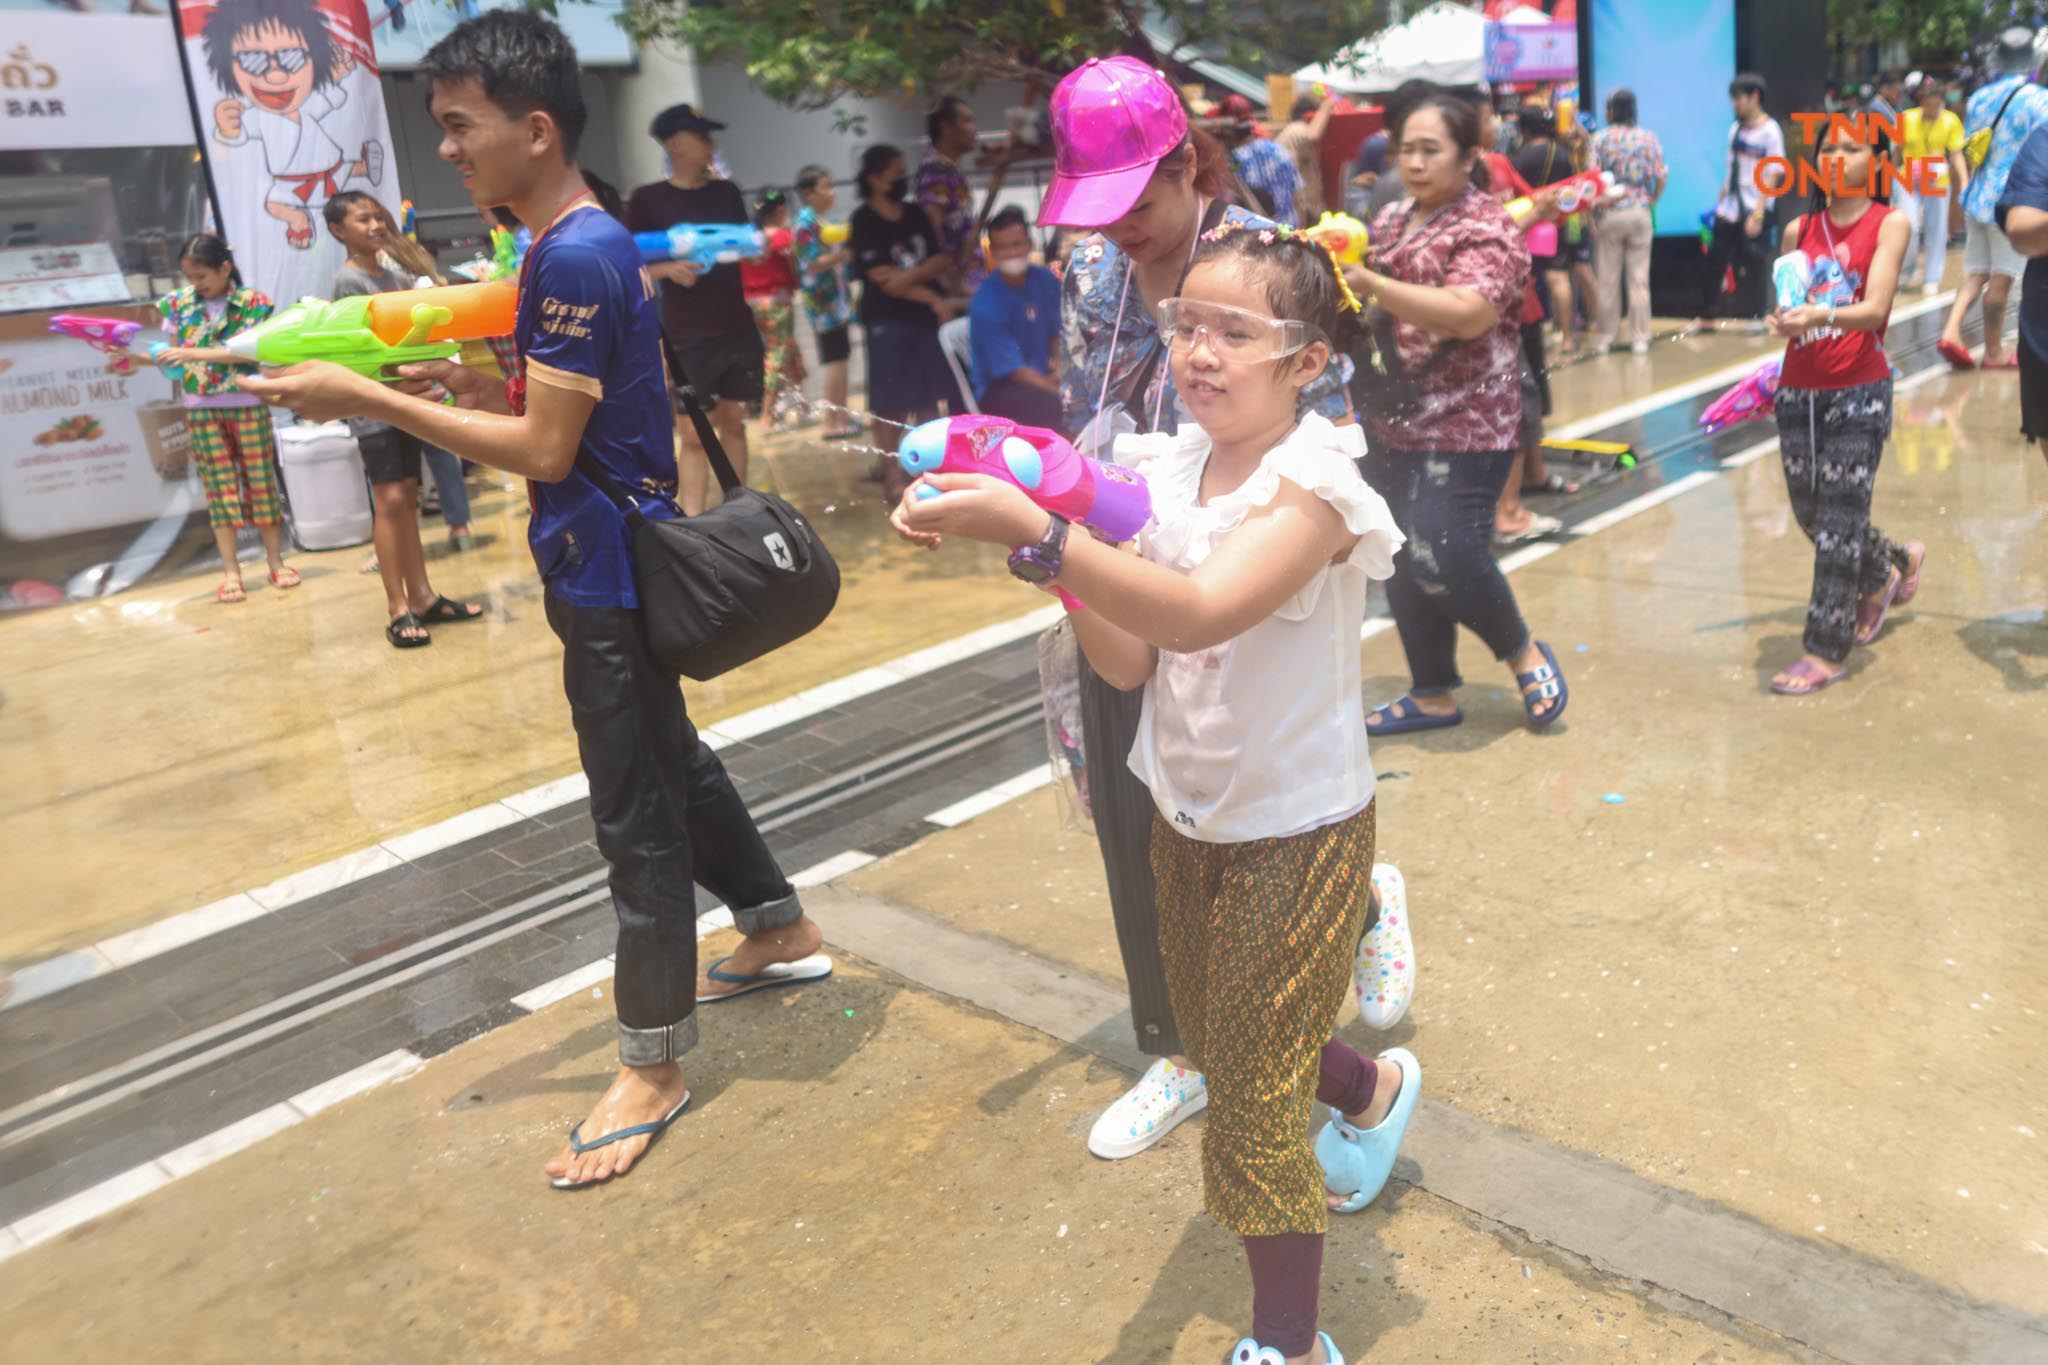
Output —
<point x="1258" y="940"/>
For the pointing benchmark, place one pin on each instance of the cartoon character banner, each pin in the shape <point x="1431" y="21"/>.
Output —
<point x="291" y="114"/>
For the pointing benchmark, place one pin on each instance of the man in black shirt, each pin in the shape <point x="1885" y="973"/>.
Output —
<point x="713" y="344"/>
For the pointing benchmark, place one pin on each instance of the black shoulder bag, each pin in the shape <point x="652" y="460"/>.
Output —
<point x="728" y="585"/>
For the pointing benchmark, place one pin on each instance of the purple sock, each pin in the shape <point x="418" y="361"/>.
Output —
<point x="1287" y="1275"/>
<point x="1345" y="1079"/>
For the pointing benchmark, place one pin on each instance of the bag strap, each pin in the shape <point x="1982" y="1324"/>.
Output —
<point x="590" y="469"/>
<point x="1993" y="129"/>
<point x="714" y="449"/>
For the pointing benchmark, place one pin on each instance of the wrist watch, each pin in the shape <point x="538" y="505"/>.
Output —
<point x="1039" y="564"/>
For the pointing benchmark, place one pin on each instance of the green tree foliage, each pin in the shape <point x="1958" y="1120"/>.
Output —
<point x="1932" y="30"/>
<point x="809" y="53"/>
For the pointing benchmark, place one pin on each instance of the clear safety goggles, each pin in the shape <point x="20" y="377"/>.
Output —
<point x="1233" y="334"/>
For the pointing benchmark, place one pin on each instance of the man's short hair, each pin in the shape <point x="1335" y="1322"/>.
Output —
<point x="943" y="114"/>
<point x="337" y="208"/>
<point x="1007" y="218"/>
<point x="810" y="177"/>
<point x="523" y="62"/>
<point x="1747" y="83"/>
<point x="1306" y="106"/>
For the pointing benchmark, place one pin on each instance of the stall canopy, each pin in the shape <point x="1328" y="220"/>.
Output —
<point x="1445" y="43"/>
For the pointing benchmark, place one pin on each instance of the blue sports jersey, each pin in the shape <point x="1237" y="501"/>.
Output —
<point x="588" y="321"/>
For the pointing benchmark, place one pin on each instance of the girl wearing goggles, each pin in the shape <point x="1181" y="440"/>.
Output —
<point x="1239" y="619"/>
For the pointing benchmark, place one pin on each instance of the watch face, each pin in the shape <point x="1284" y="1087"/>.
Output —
<point x="1027" y="565"/>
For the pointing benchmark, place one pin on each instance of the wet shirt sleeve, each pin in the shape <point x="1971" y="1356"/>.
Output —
<point x="572" y="327"/>
<point x="1490" y="261"/>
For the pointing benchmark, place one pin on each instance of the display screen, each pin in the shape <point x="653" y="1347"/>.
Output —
<point x="1678" y="57"/>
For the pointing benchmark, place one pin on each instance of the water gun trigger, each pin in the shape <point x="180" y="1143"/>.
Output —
<point x="425" y="318"/>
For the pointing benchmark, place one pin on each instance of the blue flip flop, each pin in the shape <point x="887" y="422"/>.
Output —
<point x="1405" y="717"/>
<point x="579" y="1146"/>
<point x="1361" y="1160"/>
<point x="1548" y="679"/>
<point x="816" y="967"/>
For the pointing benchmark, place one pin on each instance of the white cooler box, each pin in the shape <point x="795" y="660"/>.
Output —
<point x="323" y="477"/>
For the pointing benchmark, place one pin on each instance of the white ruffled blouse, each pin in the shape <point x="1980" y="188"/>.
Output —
<point x="1263" y="736"/>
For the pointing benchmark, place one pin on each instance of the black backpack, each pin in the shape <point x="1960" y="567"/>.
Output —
<point x="730" y="584"/>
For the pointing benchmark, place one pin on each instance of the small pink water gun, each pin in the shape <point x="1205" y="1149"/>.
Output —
<point x="1755" y="396"/>
<point x="110" y="335"/>
<point x="1104" y="497"/>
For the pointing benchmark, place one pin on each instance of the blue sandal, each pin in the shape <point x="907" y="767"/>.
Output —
<point x="1405" y="717"/>
<point x="816" y="967"/>
<point x="579" y="1146"/>
<point x="1361" y="1159"/>
<point x="1548" y="681"/>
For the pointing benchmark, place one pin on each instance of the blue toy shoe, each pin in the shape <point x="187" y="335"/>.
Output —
<point x="1249" y="1352"/>
<point x="1361" y="1161"/>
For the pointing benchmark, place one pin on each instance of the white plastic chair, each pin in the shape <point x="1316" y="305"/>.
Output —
<point x="956" y="340"/>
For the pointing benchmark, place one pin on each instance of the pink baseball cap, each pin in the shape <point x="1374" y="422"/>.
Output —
<point x="1113" y="120"/>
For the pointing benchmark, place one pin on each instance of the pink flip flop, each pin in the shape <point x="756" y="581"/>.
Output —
<point x="1916" y="554"/>
<point x="2011" y="362"/>
<point x="1870" y="613"/>
<point x="1804" y="671"/>
<point x="1958" y="356"/>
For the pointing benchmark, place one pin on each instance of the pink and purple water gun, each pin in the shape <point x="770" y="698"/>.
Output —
<point x="1106" y="498"/>
<point x="108" y="335"/>
<point x="1755" y="396"/>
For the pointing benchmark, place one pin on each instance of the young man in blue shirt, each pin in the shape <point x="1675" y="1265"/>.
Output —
<point x="591" y="387"/>
<point x="1013" y="325"/>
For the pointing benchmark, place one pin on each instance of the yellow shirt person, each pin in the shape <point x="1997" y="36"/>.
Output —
<point x="1938" y="138"/>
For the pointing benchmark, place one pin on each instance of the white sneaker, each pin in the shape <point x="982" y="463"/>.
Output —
<point x="1931" y="288"/>
<point x="1383" y="973"/>
<point x="1639" y="347"/>
<point x="1163" y="1097"/>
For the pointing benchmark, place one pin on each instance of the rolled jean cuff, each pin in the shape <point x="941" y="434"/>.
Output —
<point x="1528" y="638"/>
<point x="773" y="915"/>
<point x="653" y="1046"/>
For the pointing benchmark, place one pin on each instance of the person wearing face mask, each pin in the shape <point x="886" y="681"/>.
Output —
<point x="1143" y="185"/>
<point x="1014" y="326"/>
<point x="907" y="285"/>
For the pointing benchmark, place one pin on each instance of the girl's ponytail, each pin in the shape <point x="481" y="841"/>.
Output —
<point x="211" y="251"/>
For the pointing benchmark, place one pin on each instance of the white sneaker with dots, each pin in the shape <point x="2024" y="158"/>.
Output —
<point x="1164" y="1096"/>
<point x="1383" y="974"/>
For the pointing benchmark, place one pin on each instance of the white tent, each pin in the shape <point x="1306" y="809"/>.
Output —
<point x="1445" y="43"/>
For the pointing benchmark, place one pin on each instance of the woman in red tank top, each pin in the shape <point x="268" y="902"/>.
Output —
<point x="1835" y="411"/>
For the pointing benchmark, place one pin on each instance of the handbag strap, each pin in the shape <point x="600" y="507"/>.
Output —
<point x="714" y="451"/>
<point x="1993" y="129"/>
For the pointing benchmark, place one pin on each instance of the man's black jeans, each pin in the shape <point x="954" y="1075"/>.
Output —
<point x="666" y="814"/>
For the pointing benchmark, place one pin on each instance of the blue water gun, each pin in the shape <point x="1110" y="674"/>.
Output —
<point x="706" y="244"/>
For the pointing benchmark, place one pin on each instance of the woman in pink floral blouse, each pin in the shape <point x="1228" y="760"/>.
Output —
<point x="1447" y="273"/>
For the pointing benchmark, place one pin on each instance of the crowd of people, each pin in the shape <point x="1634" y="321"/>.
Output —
<point x="1305" y="428"/>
